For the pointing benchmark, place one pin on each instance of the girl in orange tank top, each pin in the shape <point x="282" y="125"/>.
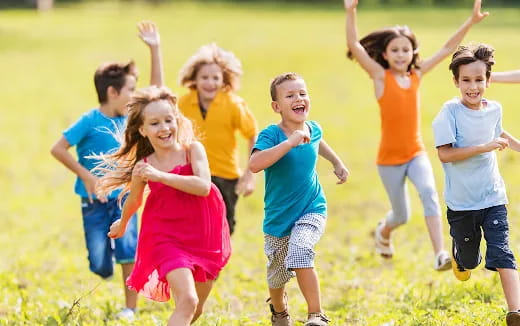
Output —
<point x="390" y="57"/>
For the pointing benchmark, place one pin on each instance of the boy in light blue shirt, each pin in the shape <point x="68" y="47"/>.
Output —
<point x="93" y="134"/>
<point x="295" y="205"/>
<point x="467" y="132"/>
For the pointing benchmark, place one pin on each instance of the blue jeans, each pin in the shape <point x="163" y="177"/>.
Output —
<point x="97" y="218"/>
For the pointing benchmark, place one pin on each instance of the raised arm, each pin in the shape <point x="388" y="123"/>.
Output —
<point x="261" y="160"/>
<point x="339" y="168"/>
<point x="374" y="69"/>
<point x="131" y="205"/>
<point x="512" y="76"/>
<point x="149" y="33"/>
<point x="447" y="153"/>
<point x="454" y="41"/>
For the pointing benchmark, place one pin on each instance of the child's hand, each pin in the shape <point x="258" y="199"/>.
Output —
<point x="350" y="4"/>
<point x="149" y="33"/>
<point x="147" y="172"/>
<point x="90" y="187"/>
<point x="117" y="230"/>
<point x="498" y="143"/>
<point x="298" y="137"/>
<point x="341" y="172"/>
<point x="246" y="184"/>
<point x="477" y="16"/>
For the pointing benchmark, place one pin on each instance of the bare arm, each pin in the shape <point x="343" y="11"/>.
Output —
<point x="198" y="184"/>
<point x="261" y="160"/>
<point x="514" y="143"/>
<point x="339" y="168"/>
<point x="512" y="76"/>
<point x="447" y="153"/>
<point x="246" y="183"/>
<point x="455" y="39"/>
<point x="374" y="69"/>
<point x="149" y="33"/>
<point x="60" y="151"/>
<point x="131" y="205"/>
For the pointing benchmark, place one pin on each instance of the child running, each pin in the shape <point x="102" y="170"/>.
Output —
<point x="184" y="238"/>
<point x="213" y="74"/>
<point x="467" y="132"/>
<point x="91" y="134"/>
<point x="295" y="205"/>
<point x="390" y="57"/>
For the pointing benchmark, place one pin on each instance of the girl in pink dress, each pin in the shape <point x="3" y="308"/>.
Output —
<point x="184" y="238"/>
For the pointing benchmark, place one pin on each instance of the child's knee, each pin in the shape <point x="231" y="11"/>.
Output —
<point x="101" y="269"/>
<point x="395" y="220"/>
<point x="187" y="303"/>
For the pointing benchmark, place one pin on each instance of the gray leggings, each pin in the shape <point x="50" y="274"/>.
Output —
<point x="420" y="172"/>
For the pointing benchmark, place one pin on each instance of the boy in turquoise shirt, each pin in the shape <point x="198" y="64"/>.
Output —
<point x="295" y="205"/>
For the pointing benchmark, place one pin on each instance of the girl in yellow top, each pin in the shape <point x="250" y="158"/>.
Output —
<point x="212" y="75"/>
<point x="390" y="57"/>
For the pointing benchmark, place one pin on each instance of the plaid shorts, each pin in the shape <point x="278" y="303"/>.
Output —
<point x="293" y="251"/>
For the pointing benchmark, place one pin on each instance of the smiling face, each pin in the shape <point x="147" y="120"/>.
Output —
<point x="292" y="101"/>
<point x="472" y="83"/>
<point x="159" y="124"/>
<point x="399" y="54"/>
<point x="209" y="80"/>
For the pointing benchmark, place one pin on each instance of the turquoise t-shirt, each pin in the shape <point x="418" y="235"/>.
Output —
<point x="93" y="133"/>
<point x="292" y="188"/>
<point x="474" y="183"/>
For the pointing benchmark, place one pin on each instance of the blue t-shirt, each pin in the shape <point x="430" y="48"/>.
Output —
<point x="93" y="133"/>
<point x="292" y="188"/>
<point x="474" y="183"/>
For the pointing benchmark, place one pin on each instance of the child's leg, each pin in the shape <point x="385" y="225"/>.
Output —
<point x="185" y="295"/>
<point x="466" y="234"/>
<point x="278" y="299"/>
<point x="421" y="174"/>
<point x="310" y="287"/>
<point x="498" y="254"/>
<point x="203" y="289"/>
<point x="227" y="189"/>
<point x="305" y="234"/>
<point x="130" y="295"/>
<point x="393" y="178"/>
<point x="511" y="287"/>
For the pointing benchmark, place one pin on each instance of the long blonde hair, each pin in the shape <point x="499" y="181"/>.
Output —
<point x="117" y="167"/>
<point x="208" y="54"/>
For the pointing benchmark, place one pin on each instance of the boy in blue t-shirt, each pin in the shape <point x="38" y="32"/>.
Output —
<point x="92" y="134"/>
<point x="295" y="205"/>
<point x="467" y="131"/>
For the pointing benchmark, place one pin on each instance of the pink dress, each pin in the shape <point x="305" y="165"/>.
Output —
<point x="179" y="230"/>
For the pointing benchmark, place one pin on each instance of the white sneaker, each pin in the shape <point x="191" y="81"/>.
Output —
<point x="126" y="314"/>
<point x="442" y="261"/>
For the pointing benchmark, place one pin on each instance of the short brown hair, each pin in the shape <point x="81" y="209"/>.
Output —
<point x="112" y="74"/>
<point x="280" y="79"/>
<point x="472" y="53"/>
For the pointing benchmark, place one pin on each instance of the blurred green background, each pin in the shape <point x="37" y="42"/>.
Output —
<point x="47" y="62"/>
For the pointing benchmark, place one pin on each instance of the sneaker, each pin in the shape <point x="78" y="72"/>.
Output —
<point x="442" y="261"/>
<point x="513" y="318"/>
<point x="384" y="246"/>
<point x="279" y="318"/>
<point x="317" y="319"/>
<point x="126" y="314"/>
<point x="460" y="273"/>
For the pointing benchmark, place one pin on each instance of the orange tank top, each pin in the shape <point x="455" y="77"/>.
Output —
<point x="400" y="121"/>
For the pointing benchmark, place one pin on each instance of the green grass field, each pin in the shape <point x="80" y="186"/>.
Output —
<point x="47" y="61"/>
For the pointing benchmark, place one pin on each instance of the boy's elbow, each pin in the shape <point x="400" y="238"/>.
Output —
<point x="443" y="157"/>
<point x="254" y="167"/>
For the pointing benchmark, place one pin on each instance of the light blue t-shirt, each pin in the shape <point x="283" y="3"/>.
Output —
<point x="292" y="188"/>
<point x="93" y="133"/>
<point x="474" y="183"/>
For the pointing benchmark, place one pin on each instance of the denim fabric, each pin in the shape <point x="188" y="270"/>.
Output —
<point x="97" y="218"/>
<point x="465" y="229"/>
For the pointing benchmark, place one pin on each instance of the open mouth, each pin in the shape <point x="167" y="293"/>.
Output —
<point x="165" y="137"/>
<point x="474" y="95"/>
<point x="299" y="109"/>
